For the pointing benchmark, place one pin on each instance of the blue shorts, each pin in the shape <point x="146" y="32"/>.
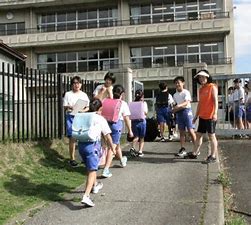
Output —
<point x="116" y="129"/>
<point x="239" y="111"/>
<point x="90" y="153"/>
<point x="248" y="113"/>
<point x="184" y="119"/>
<point x="68" y="121"/>
<point x="164" y="115"/>
<point x="139" y="128"/>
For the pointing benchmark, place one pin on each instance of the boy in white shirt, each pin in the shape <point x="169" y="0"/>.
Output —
<point x="90" y="151"/>
<point x="184" y="115"/>
<point x="70" y="99"/>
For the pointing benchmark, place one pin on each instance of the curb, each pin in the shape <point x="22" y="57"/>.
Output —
<point x="214" y="211"/>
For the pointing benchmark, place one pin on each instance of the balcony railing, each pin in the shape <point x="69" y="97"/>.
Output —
<point x="41" y="28"/>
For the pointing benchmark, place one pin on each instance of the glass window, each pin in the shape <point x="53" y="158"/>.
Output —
<point x="61" y="17"/>
<point x="71" y="56"/>
<point x="82" y="56"/>
<point x="82" y="66"/>
<point x="61" y="56"/>
<point x="2" y="29"/>
<point x="147" y="62"/>
<point x="20" y="28"/>
<point x="181" y="49"/>
<point x="71" y="67"/>
<point x="104" y="54"/>
<point x="51" y="18"/>
<point x="206" y="58"/>
<point x="82" y="15"/>
<point x="169" y="60"/>
<point x="11" y="28"/>
<point x="61" y="67"/>
<point x="146" y="51"/>
<point x="92" y="55"/>
<point x="92" y="14"/>
<point x="169" y="50"/>
<point x="103" y="13"/>
<point x="93" y="66"/>
<point x="82" y="25"/>
<point x="71" y="16"/>
<point x="145" y="9"/>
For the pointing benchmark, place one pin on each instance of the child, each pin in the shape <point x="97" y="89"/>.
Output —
<point x="138" y="124"/>
<point x="207" y="110"/>
<point x="89" y="151"/>
<point x="103" y="91"/>
<point x="184" y="114"/>
<point x="116" y="128"/>
<point x="164" y="103"/>
<point x="70" y="99"/>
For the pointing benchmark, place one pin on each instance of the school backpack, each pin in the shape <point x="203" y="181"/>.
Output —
<point x="162" y="99"/>
<point x="83" y="127"/>
<point x="151" y="129"/>
<point x="111" y="109"/>
<point x="137" y="110"/>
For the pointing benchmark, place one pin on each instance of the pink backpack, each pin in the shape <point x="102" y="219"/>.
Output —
<point x="111" y="108"/>
<point x="137" y="110"/>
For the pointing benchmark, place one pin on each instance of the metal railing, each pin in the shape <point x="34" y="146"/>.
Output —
<point x="31" y="104"/>
<point x="139" y="20"/>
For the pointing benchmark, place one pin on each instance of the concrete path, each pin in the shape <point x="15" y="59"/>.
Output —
<point x="158" y="189"/>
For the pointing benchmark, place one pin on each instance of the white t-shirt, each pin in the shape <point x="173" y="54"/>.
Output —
<point x="101" y="126"/>
<point x="180" y="97"/>
<point x="124" y="110"/>
<point x="97" y="90"/>
<point x="231" y="98"/>
<point x="71" y="98"/>
<point x="239" y="94"/>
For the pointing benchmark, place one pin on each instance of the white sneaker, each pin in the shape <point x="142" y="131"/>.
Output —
<point x="106" y="173"/>
<point x="123" y="161"/>
<point x="170" y="138"/>
<point x="182" y="153"/>
<point x="97" y="188"/>
<point x="86" y="200"/>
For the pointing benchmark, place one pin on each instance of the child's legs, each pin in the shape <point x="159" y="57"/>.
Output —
<point x="198" y="142"/>
<point x="90" y="182"/>
<point x="141" y="144"/>
<point x="109" y="159"/>
<point x="192" y="134"/>
<point x="182" y="138"/>
<point x="213" y="144"/>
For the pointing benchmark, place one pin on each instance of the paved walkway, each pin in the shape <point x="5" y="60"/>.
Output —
<point x="156" y="189"/>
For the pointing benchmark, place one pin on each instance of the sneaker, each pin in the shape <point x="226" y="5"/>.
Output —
<point x="190" y="155"/>
<point x="133" y="152"/>
<point x="182" y="153"/>
<point x="123" y="161"/>
<point x="162" y="139"/>
<point x="86" y="200"/>
<point x="73" y="163"/>
<point x="170" y="138"/>
<point x="97" y="188"/>
<point x="140" y="154"/>
<point x="210" y="159"/>
<point x="106" y="173"/>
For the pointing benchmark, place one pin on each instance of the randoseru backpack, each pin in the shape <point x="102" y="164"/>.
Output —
<point x="162" y="99"/>
<point x="83" y="127"/>
<point x="137" y="110"/>
<point x="110" y="109"/>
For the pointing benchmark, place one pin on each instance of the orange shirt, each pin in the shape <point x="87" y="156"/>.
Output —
<point x="206" y="101"/>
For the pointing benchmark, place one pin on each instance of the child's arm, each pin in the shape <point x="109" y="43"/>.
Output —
<point x="180" y="106"/>
<point x="128" y="125"/>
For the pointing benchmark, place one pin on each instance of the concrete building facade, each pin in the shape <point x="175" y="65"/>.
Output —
<point x="157" y="40"/>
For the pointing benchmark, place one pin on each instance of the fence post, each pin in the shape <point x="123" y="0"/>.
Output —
<point x="60" y="106"/>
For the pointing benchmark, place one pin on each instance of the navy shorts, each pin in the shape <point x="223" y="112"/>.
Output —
<point x="116" y="129"/>
<point x="139" y="128"/>
<point x="90" y="153"/>
<point x="206" y="126"/>
<point x="164" y="115"/>
<point x="248" y="113"/>
<point x="184" y="119"/>
<point x="68" y="121"/>
<point x="239" y="111"/>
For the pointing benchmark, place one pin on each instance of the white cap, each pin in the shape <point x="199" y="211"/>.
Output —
<point x="202" y="73"/>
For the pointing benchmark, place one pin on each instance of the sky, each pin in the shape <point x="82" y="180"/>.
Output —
<point x="242" y="30"/>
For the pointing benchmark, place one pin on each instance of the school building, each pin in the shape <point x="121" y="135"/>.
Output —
<point x="158" y="39"/>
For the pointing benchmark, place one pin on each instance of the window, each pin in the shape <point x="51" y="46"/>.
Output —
<point x="12" y="28"/>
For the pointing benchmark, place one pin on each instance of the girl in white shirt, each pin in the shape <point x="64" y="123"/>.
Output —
<point x="116" y="128"/>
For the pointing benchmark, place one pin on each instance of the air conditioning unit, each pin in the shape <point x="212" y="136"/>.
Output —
<point x="207" y="15"/>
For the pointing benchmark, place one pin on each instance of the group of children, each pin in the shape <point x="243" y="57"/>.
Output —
<point x="105" y="114"/>
<point x="239" y="105"/>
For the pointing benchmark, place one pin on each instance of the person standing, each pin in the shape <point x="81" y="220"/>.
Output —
<point x="139" y="106"/>
<point x="164" y="103"/>
<point x="70" y="99"/>
<point x="207" y="110"/>
<point x="184" y="114"/>
<point x="103" y="91"/>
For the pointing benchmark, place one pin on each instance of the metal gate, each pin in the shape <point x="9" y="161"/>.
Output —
<point x="228" y="121"/>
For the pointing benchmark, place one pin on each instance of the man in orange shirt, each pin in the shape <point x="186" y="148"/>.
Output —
<point x="207" y="112"/>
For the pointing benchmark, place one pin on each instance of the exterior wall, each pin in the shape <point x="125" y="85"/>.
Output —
<point x="122" y="37"/>
<point x="6" y="60"/>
